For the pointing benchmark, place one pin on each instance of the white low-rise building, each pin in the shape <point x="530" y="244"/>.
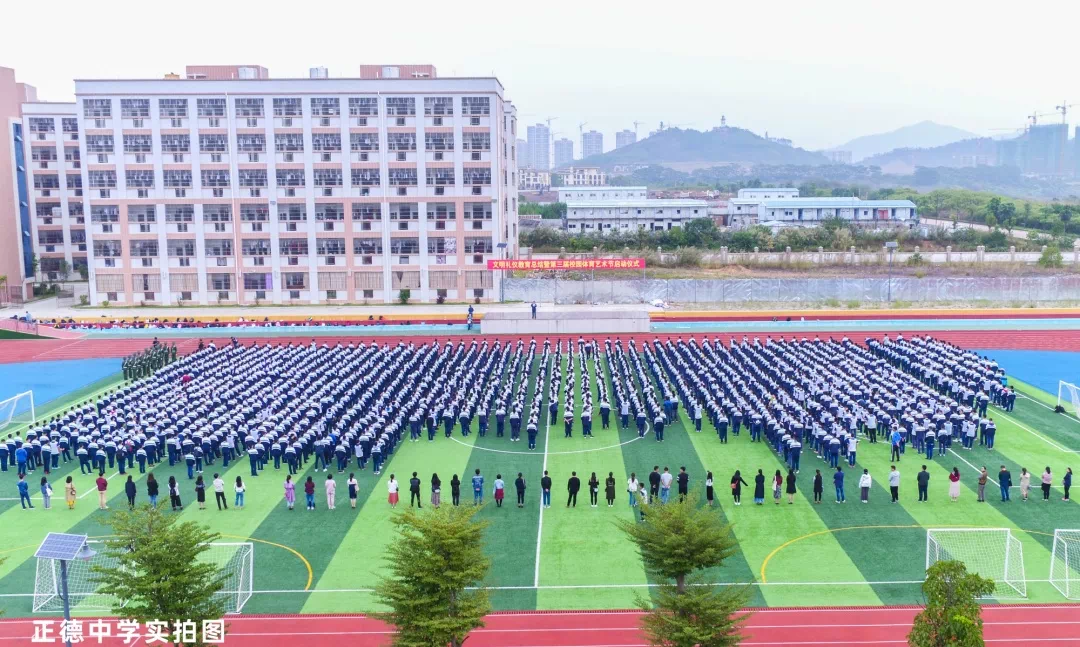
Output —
<point x="768" y="193"/>
<point x="582" y="176"/>
<point x="808" y="211"/>
<point x="530" y="179"/>
<point x="625" y="216"/>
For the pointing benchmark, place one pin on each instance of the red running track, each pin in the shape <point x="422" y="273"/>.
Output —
<point x="1004" y="625"/>
<point x="40" y="350"/>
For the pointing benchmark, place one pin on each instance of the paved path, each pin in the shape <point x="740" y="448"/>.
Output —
<point x="948" y="224"/>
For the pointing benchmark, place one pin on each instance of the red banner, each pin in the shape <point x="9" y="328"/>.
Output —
<point x="569" y="264"/>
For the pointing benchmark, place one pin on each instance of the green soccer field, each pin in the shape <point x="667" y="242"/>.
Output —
<point x="575" y="558"/>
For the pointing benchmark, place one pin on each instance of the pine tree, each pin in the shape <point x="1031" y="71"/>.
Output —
<point x="952" y="616"/>
<point x="436" y="567"/>
<point x="677" y="541"/>
<point x="158" y="575"/>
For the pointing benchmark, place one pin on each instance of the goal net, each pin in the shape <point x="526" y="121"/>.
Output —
<point x="18" y="409"/>
<point x="1065" y="563"/>
<point x="993" y="553"/>
<point x="1069" y="397"/>
<point x="234" y="560"/>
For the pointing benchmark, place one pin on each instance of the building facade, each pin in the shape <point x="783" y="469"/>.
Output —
<point x="582" y="176"/>
<point x="592" y="143"/>
<point x="16" y="241"/>
<point x="539" y="138"/>
<point x="625" y="216"/>
<point x="522" y="153"/>
<point x="625" y="138"/>
<point x="811" y="211"/>
<point x="768" y="193"/>
<point x="603" y="194"/>
<point x="290" y="191"/>
<point x="564" y="152"/>
<point x="530" y="179"/>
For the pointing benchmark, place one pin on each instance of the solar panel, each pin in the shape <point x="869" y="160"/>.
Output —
<point x="58" y="545"/>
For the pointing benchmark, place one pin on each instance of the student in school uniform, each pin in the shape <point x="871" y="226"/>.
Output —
<point x="545" y="490"/>
<point x="478" y="487"/>
<point x="24" y="492"/>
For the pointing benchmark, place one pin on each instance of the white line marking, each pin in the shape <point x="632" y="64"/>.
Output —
<point x="1037" y="434"/>
<point x="576" y="451"/>
<point x="1043" y="405"/>
<point x="954" y="453"/>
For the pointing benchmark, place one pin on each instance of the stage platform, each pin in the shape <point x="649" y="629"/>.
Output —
<point x="589" y="321"/>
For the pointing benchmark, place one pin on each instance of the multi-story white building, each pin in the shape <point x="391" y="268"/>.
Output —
<point x="564" y="152"/>
<point x="592" y="143"/>
<point x="768" y="193"/>
<point x="539" y="147"/>
<point x="288" y="190"/>
<point x="602" y="193"/>
<point x="582" y="176"/>
<point x="625" y="138"/>
<point x="522" y="154"/>
<point x="624" y="216"/>
<point x="530" y="179"/>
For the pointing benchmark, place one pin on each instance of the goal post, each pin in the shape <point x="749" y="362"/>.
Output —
<point x="1065" y="563"/>
<point x="1068" y="399"/>
<point x="993" y="553"/>
<point x="234" y="560"/>
<point x="18" y="409"/>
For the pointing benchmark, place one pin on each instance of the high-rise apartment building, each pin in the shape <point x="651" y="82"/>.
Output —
<point x="278" y="190"/>
<point x="564" y="152"/>
<point x="16" y="241"/>
<point x="625" y="138"/>
<point x="592" y="143"/>
<point x="523" y="159"/>
<point x="539" y="147"/>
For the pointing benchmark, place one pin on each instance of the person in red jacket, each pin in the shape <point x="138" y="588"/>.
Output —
<point x="102" y="486"/>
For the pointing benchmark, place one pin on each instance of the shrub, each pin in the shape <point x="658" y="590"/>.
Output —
<point x="853" y="305"/>
<point x="897" y="305"/>
<point x="916" y="260"/>
<point x="84" y="300"/>
<point x="440" y="299"/>
<point x="404" y="295"/>
<point x="1051" y="257"/>
<point x="832" y="303"/>
<point x="105" y="303"/>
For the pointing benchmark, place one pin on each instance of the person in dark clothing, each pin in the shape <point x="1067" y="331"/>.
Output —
<point x="759" y="488"/>
<point x="455" y="490"/>
<point x="1005" y="481"/>
<point x="710" y="493"/>
<point x="791" y="487"/>
<point x="414" y="491"/>
<point x="684" y="484"/>
<point x="1066" y="483"/>
<point x="737" y="484"/>
<point x="572" y="487"/>
<point x="818" y="486"/>
<point x="519" y="485"/>
<point x="609" y="489"/>
<point x="922" y="479"/>
<point x="654" y="483"/>
<point x="129" y="490"/>
<point x="594" y="489"/>
<point x="545" y="490"/>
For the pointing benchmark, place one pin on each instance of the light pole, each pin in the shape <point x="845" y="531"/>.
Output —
<point x="891" y="246"/>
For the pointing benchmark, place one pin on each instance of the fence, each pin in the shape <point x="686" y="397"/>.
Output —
<point x="809" y="290"/>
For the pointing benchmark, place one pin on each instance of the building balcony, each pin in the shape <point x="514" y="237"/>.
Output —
<point x="42" y="137"/>
<point x="72" y="194"/>
<point x="47" y="194"/>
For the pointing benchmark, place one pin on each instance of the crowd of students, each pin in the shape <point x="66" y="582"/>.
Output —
<point x="305" y="405"/>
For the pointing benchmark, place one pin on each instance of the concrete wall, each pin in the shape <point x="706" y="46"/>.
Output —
<point x="807" y="290"/>
<point x="572" y="323"/>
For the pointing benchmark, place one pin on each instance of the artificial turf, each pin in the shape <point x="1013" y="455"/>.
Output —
<point x="801" y="554"/>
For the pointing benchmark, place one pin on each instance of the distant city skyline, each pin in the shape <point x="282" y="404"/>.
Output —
<point x="667" y="67"/>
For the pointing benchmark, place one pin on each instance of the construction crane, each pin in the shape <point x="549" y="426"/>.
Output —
<point x="1034" y="117"/>
<point x="1064" y="109"/>
<point x="549" y="120"/>
<point x="636" y="124"/>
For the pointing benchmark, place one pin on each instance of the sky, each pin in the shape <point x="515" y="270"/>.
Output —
<point x="818" y="73"/>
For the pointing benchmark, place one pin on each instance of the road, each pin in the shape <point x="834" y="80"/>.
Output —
<point x="948" y="224"/>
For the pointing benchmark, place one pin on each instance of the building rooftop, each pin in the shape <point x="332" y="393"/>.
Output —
<point x="636" y="204"/>
<point x="811" y="203"/>
<point x="605" y="187"/>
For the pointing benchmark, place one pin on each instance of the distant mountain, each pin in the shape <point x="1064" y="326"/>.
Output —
<point x="925" y="134"/>
<point x="724" y="145"/>
<point x="980" y="151"/>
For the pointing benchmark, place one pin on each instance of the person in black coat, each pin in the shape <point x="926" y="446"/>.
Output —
<point x="737" y="484"/>
<point x="572" y="487"/>
<point x="519" y="485"/>
<point x="129" y="490"/>
<point x="683" y="479"/>
<point x="818" y="486"/>
<point x="594" y="489"/>
<point x="759" y="488"/>
<point x="791" y="487"/>
<point x="654" y="483"/>
<point x="455" y="490"/>
<point x="414" y="491"/>
<point x="609" y="489"/>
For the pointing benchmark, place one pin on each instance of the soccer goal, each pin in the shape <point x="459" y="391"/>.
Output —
<point x="993" y="553"/>
<point x="1065" y="563"/>
<point x="18" y="409"/>
<point x="235" y="561"/>
<point x="1068" y="398"/>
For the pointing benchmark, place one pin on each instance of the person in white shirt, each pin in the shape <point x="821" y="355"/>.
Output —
<point x="239" y="503"/>
<point x="894" y="483"/>
<point x="392" y="488"/>
<point x="331" y="490"/>
<point x="632" y="487"/>
<point x="864" y="486"/>
<point x="665" y="485"/>
<point x="219" y="493"/>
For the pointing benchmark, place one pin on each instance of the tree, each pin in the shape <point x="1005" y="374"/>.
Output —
<point x="403" y="295"/>
<point x="158" y="574"/>
<point x="1051" y="257"/>
<point x="952" y="617"/>
<point x="65" y="269"/>
<point x="676" y="540"/>
<point x="436" y="566"/>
